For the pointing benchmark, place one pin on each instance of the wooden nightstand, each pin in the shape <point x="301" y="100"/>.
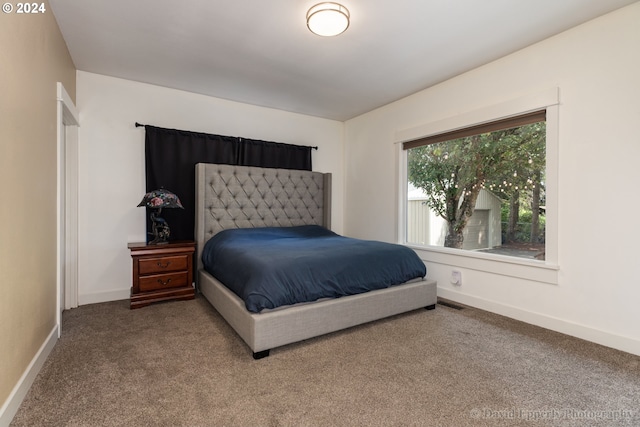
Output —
<point x="162" y="272"/>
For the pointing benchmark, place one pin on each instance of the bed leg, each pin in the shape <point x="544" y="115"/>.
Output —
<point x="261" y="354"/>
<point x="430" y="307"/>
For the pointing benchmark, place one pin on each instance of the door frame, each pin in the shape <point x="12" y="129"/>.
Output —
<point x="67" y="205"/>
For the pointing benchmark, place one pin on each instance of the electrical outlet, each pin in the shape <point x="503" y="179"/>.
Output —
<point x="456" y="277"/>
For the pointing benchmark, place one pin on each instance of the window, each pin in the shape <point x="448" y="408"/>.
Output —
<point x="480" y="188"/>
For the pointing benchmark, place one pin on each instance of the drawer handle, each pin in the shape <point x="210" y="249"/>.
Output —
<point x="161" y="265"/>
<point x="164" y="282"/>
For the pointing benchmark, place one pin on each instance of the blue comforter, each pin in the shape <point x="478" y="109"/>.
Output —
<point x="273" y="266"/>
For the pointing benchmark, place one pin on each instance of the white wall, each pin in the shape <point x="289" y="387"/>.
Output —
<point x="111" y="163"/>
<point x="596" y="67"/>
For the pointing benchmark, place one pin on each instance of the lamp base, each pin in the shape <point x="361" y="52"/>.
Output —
<point x="159" y="229"/>
<point x="158" y="241"/>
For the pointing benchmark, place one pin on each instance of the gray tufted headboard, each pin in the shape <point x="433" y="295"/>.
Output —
<point x="246" y="197"/>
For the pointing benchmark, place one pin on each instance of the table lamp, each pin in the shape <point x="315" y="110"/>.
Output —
<point x="156" y="200"/>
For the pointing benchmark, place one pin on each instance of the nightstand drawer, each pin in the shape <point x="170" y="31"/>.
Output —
<point x="165" y="264"/>
<point x="163" y="281"/>
<point x="161" y="272"/>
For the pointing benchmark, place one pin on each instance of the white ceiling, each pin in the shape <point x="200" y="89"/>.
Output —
<point x="261" y="52"/>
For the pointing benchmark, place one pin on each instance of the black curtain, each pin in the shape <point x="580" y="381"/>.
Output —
<point x="273" y="155"/>
<point x="171" y="156"/>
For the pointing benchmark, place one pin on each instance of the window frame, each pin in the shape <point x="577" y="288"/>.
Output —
<point x="543" y="271"/>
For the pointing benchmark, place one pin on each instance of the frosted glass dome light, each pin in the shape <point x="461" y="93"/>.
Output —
<point x="328" y="19"/>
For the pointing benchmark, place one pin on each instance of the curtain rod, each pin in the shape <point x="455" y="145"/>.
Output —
<point x="138" y="125"/>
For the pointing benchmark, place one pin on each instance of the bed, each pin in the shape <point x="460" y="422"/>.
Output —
<point x="240" y="197"/>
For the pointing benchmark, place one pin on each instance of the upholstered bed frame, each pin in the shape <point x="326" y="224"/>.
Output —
<point x="246" y="197"/>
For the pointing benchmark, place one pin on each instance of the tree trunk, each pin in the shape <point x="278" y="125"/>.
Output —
<point x="454" y="239"/>
<point x="535" y="211"/>
<point x="514" y="215"/>
<point x="459" y="217"/>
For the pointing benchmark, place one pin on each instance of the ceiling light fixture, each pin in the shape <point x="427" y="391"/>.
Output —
<point x="328" y="19"/>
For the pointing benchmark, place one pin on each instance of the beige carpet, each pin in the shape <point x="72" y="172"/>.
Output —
<point x="180" y="364"/>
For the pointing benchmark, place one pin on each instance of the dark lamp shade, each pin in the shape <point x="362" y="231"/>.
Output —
<point x="160" y="199"/>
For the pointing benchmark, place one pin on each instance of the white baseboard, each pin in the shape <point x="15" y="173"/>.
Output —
<point x="106" y="296"/>
<point x="597" y="336"/>
<point x="12" y="404"/>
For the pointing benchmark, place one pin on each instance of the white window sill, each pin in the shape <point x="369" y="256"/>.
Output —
<point x="522" y="268"/>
